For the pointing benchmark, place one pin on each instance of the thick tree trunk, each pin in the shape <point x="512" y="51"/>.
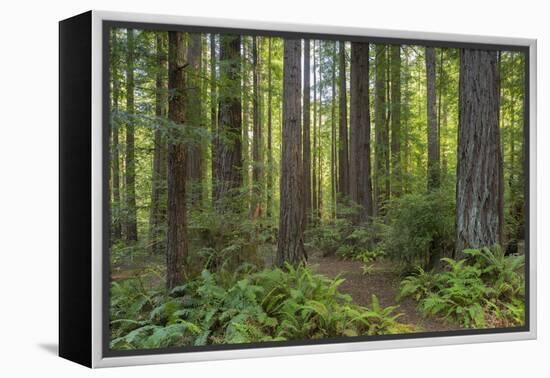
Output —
<point x="131" y="212"/>
<point x="177" y="243"/>
<point x="395" y="73"/>
<point x="257" y="153"/>
<point x="228" y="174"/>
<point x="479" y="189"/>
<point x="290" y="246"/>
<point x="343" y="150"/>
<point x="381" y="141"/>
<point x="433" y="132"/>
<point x="194" y="120"/>
<point x="360" y="151"/>
<point x="158" y="190"/>
<point x="115" y="156"/>
<point x="306" y="133"/>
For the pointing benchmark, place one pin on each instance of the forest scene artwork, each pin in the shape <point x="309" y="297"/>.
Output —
<point x="269" y="188"/>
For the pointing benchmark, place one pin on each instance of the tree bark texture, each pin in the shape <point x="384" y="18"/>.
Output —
<point x="381" y="148"/>
<point x="290" y="246"/>
<point x="257" y="137"/>
<point x="158" y="188"/>
<point x="193" y="119"/>
<point x="395" y="73"/>
<point x="433" y="132"/>
<point x="306" y="131"/>
<point x="131" y="211"/>
<point x="229" y="164"/>
<point x="479" y="189"/>
<point x="115" y="155"/>
<point x="360" y="130"/>
<point x="343" y="149"/>
<point x="177" y="242"/>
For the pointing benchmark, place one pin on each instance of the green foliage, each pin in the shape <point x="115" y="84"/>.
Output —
<point x="485" y="289"/>
<point x="417" y="222"/>
<point x="214" y="308"/>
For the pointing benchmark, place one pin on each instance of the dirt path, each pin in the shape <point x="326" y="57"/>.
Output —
<point x="383" y="282"/>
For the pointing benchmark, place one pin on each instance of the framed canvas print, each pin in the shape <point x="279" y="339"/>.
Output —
<point x="238" y="189"/>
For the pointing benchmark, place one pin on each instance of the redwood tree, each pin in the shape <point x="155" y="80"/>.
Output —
<point x="360" y="130"/>
<point x="290" y="246"/>
<point x="228" y="168"/>
<point x="479" y="189"/>
<point x="131" y="211"/>
<point x="177" y="241"/>
<point x="343" y="151"/>
<point x="433" y="132"/>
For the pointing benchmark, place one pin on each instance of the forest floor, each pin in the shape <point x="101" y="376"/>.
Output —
<point x="383" y="282"/>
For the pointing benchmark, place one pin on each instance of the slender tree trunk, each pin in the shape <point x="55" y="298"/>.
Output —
<point x="177" y="242"/>
<point x="333" y="158"/>
<point x="381" y="142"/>
<point x="115" y="212"/>
<point x="306" y="133"/>
<point x="257" y="153"/>
<point x="319" y="128"/>
<point x="131" y="211"/>
<point x="213" y="111"/>
<point x="245" y="100"/>
<point x="360" y="151"/>
<point x="193" y="119"/>
<point x="433" y="134"/>
<point x="269" y="133"/>
<point x="158" y="190"/>
<point x="395" y="73"/>
<point x="290" y="246"/>
<point x="479" y="206"/>
<point x="343" y="149"/>
<point x="314" y="200"/>
<point x="229" y="164"/>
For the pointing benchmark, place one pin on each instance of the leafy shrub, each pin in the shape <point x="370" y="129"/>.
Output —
<point x="273" y="304"/>
<point x="416" y="223"/>
<point x="485" y="289"/>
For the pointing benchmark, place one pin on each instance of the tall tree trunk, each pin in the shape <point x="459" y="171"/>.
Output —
<point x="343" y="150"/>
<point x="257" y="153"/>
<point x="479" y="189"/>
<point x="433" y="132"/>
<point x="228" y="174"/>
<point x="269" y="133"/>
<point x="213" y="110"/>
<point x="360" y="151"/>
<point x="158" y="187"/>
<point x="381" y="132"/>
<point x="290" y="246"/>
<point x="193" y="118"/>
<point x="333" y="158"/>
<point x="177" y="242"/>
<point x="306" y="132"/>
<point x="245" y="100"/>
<point x="395" y="73"/>
<point x="314" y="200"/>
<point x="115" y="156"/>
<point x="319" y="128"/>
<point x="131" y="211"/>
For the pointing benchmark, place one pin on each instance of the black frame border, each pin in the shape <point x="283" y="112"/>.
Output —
<point x="107" y="25"/>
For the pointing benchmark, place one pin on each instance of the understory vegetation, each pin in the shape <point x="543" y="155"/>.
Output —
<point x="486" y="289"/>
<point x="216" y="308"/>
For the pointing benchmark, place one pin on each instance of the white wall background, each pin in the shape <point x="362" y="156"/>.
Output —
<point x="28" y="190"/>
